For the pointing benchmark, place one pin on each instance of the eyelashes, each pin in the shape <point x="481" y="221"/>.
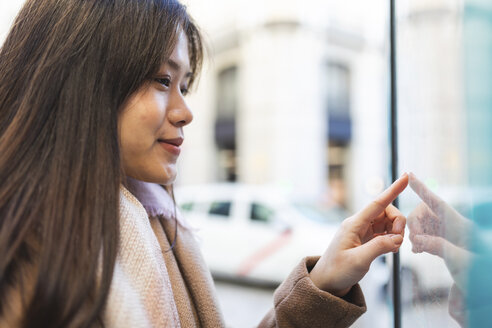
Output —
<point x="166" y="82"/>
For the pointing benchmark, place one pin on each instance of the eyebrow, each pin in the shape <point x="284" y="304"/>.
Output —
<point x="177" y="67"/>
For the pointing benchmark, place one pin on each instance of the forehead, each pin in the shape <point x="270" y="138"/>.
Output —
<point x="180" y="54"/>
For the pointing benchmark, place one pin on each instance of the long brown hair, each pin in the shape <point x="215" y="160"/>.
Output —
<point x="66" y="68"/>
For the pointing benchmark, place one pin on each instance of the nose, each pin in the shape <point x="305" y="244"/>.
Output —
<point x="179" y="114"/>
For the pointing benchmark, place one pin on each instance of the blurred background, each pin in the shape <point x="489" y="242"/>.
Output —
<point x="291" y="135"/>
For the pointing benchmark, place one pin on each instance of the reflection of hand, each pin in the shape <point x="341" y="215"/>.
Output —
<point x="457" y="308"/>
<point x="435" y="217"/>
<point x="456" y="258"/>
<point x="376" y="230"/>
<point x="438" y="229"/>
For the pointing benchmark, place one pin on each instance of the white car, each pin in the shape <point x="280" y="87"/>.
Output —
<point x="254" y="233"/>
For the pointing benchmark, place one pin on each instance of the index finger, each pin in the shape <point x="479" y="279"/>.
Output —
<point x="384" y="199"/>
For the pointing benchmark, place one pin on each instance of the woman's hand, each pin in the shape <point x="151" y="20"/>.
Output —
<point x="376" y="230"/>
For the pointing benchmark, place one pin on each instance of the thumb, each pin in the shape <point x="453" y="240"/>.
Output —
<point x="455" y="258"/>
<point x="378" y="246"/>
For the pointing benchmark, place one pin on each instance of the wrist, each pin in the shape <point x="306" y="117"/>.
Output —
<point x="322" y="281"/>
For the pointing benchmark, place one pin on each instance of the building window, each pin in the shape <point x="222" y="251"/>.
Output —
<point x="225" y="123"/>
<point x="339" y="128"/>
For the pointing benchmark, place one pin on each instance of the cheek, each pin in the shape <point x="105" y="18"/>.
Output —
<point x="142" y="120"/>
<point x="140" y="125"/>
<point x="151" y="113"/>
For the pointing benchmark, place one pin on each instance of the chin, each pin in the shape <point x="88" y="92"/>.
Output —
<point x="168" y="177"/>
<point x="160" y="174"/>
<point x="167" y="181"/>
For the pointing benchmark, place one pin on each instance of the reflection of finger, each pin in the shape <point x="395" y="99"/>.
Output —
<point x="413" y="224"/>
<point x="420" y="211"/>
<point x="455" y="258"/>
<point x="378" y="246"/>
<point x="430" y="244"/>
<point x="375" y="208"/>
<point x="431" y="199"/>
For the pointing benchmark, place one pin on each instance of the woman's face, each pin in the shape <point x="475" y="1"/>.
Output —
<point x="152" y="120"/>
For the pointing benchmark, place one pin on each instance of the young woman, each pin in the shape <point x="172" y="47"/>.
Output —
<point x="92" y="111"/>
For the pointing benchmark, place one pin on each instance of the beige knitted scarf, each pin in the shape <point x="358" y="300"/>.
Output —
<point x="151" y="286"/>
<point x="141" y="293"/>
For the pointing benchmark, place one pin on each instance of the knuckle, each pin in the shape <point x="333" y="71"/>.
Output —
<point x="384" y="242"/>
<point x="346" y="223"/>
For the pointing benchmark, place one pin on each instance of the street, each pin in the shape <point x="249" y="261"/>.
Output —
<point x="244" y="307"/>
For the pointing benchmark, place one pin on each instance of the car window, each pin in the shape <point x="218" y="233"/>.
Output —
<point x="321" y="215"/>
<point x="261" y="213"/>
<point x="187" y="207"/>
<point x="222" y="209"/>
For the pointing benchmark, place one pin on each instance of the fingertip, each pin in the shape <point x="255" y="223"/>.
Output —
<point x="399" y="225"/>
<point x="397" y="239"/>
<point x="401" y="183"/>
<point x="412" y="179"/>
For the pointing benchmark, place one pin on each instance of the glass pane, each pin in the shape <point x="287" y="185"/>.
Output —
<point x="445" y="116"/>
<point x="471" y="299"/>
<point x="292" y="107"/>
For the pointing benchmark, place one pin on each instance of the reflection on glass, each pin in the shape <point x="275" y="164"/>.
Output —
<point x="478" y="79"/>
<point x="432" y="143"/>
<point x="438" y="229"/>
<point x="446" y="121"/>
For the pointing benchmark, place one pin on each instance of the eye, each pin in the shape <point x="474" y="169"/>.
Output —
<point x="165" y="81"/>
<point x="184" y="91"/>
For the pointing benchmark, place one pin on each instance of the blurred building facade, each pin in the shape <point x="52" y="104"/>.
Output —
<point x="294" y="95"/>
<point x="432" y="111"/>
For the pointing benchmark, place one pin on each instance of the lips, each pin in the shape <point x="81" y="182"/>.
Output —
<point x="174" y="141"/>
<point x="171" y="145"/>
